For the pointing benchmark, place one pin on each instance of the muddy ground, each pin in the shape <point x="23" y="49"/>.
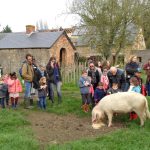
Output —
<point x="52" y="129"/>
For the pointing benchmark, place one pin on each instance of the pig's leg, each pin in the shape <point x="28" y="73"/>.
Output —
<point x="110" y="115"/>
<point x="141" y="116"/>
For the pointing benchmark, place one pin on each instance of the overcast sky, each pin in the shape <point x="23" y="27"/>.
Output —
<point x="18" y="13"/>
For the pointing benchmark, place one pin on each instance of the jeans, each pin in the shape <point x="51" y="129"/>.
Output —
<point x="58" y="89"/>
<point x="2" y="102"/>
<point x="42" y="102"/>
<point x="27" y="85"/>
<point x="86" y="98"/>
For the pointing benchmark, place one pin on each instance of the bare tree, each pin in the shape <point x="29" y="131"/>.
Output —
<point x="109" y="23"/>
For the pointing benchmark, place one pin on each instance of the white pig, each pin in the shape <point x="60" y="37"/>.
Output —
<point x="122" y="102"/>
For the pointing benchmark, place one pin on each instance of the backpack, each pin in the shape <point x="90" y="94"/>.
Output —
<point x="20" y="69"/>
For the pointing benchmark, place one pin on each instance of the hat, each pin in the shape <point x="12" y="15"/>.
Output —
<point x="138" y="70"/>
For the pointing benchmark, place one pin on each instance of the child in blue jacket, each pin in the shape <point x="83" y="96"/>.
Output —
<point x="99" y="93"/>
<point x="134" y="87"/>
<point x="84" y="84"/>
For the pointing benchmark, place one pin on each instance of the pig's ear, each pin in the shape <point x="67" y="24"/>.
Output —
<point x="94" y="117"/>
<point x="97" y="116"/>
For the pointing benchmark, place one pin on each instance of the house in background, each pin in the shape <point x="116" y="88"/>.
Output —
<point x="42" y="45"/>
<point x="86" y="49"/>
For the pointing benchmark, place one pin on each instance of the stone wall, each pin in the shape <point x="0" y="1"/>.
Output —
<point x="11" y="59"/>
<point x="144" y="55"/>
<point x="63" y="42"/>
<point x="86" y="51"/>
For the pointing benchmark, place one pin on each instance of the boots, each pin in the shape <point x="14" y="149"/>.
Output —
<point x="31" y="101"/>
<point x="27" y="103"/>
<point x="85" y="107"/>
<point x="133" y="116"/>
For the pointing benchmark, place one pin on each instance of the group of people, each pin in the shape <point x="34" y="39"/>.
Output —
<point x="100" y="80"/>
<point x="39" y="81"/>
<point x="96" y="82"/>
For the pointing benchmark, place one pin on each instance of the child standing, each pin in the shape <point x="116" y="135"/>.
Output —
<point x="135" y="87"/>
<point x="3" y="91"/>
<point x="114" y="89"/>
<point x="105" y="80"/>
<point x="138" y="75"/>
<point x="99" y="93"/>
<point x="42" y="93"/>
<point x="84" y="84"/>
<point x="14" y="88"/>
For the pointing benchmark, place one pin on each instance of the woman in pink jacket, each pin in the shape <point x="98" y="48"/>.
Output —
<point x="14" y="88"/>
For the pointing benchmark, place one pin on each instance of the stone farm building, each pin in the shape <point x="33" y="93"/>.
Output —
<point x="137" y="45"/>
<point x="42" y="45"/>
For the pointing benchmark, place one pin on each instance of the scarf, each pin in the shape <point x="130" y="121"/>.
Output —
<point x="56" y="74"/>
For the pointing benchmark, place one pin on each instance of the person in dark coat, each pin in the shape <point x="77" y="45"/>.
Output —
<point x="94" y="74"/>
<point x="130" y="68"/>
<point x="99" y="93"/>
<point x="54" y="79"/>
<point x="116" y="75"/>
<point x="146" y="66"/>
<point x="39" y="72"/>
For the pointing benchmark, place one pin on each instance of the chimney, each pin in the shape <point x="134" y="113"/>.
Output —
<point x="30" y="29"/>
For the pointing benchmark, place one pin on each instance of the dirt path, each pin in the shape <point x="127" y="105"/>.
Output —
<point x="52" y="129"/>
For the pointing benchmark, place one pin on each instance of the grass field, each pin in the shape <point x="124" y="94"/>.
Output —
<point x="16" y="134"/>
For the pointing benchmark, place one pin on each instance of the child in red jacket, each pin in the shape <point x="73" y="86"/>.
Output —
<point x="14" y="88"/>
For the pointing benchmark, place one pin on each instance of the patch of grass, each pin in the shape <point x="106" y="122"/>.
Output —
<point x="70" y="87"/>
<point x="14" y="133"/>
<point x="71" y="104"/>
<point x="71" y="98"/>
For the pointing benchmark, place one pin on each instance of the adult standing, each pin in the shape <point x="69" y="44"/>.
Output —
<point x="130" y="68"/>
<point x="27" y="74"/>
<point x="116" y="75"/>
<point x="54" y="79"/>
<point x="99" y="67"/>
<point x="106" y="65"/>
<point x="94" y="74"/>
<point x="146" y="66"/>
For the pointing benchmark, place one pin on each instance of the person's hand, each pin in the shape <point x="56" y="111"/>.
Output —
<point x="86" y="84"/>
<point x="52" y="64"/>
<point x="42" y="87"/>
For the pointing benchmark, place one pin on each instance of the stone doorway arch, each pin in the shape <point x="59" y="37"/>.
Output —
<point x="62" y="58"/>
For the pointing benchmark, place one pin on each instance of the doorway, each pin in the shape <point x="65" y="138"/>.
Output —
<point x="62" y="57"/>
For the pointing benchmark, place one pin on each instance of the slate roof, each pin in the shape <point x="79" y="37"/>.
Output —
<point x="34" y="40"/>
<point x="83" y="39"/>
